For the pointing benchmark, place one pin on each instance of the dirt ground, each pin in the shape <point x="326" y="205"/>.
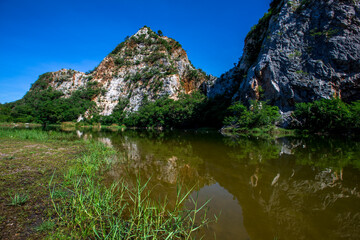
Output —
<point x="26" y="167"/>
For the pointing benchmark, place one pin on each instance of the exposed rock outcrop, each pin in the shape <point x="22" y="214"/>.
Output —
<point x="300" y="51"/>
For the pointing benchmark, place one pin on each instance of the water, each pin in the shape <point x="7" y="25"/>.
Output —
<point x="288" y="188"/>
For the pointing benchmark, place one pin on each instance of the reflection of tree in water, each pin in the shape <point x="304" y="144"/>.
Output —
<point x="252" y="151"/>
<point x="328" y="153"/>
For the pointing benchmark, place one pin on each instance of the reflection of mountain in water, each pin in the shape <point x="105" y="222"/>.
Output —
<point x="287" y="188"/>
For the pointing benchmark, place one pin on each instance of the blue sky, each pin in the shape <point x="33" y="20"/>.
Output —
<point x="39" y="36"/>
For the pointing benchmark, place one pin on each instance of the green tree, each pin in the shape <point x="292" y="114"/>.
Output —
<point x="328" y="115"/>
<point x="259" y="114"/>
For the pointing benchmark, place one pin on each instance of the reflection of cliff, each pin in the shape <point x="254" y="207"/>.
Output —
<point x="164" y="161"/>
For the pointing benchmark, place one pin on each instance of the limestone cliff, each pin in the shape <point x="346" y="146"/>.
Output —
<point x="300" y="51"/>
<point x="144" y="66"/>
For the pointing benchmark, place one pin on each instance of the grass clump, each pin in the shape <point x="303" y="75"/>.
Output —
<point x="34" y="134"/>
<point x="45" y="226"/>
<point x="18" y="199"/>
<point x="120" y="211"/>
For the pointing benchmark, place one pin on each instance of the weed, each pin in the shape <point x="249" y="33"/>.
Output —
<point x="327" y="33"/>
<point x="18" y="199"/>
<point x="296" y="53"/>
<point x="301" y="72"/>
<point x="45" y="226"/>
<point x="57" y="194"/>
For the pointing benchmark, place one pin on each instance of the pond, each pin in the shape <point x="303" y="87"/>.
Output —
<point x="284" y="188"/>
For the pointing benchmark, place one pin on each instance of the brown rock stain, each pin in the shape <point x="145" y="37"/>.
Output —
<point x="105" y="70"/>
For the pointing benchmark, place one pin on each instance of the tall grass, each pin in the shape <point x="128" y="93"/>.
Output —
<point x="122" y="211"/>
<point x="34" y="134"/>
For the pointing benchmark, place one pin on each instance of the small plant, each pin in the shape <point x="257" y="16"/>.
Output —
<point x="303" y="5"/>
<point x="315" y="33"/>
<point x="296" y="53"/>
<point x="119" y="61"/>
<point x="45" y="226"/>
<point x="18" y="199"/>
<point x="327" y="33"/>
<point x="301" y="72"/>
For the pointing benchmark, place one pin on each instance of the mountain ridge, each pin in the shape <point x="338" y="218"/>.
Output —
<point x="145" y="65"/>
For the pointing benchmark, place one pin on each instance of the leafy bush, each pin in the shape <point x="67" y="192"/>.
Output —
<point x="47" y="106"/>
<point x="258" y="115"/>
<point x="328" y="115"/>
<point x="119" y="61"/>
<point x="153" y="57"/>
<point x="118" y="48"/>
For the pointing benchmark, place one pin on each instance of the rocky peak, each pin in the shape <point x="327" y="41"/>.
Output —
<point x="144" y="66"/>
<point x="300" y="51"/>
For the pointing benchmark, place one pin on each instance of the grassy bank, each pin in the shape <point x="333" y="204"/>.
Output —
<point x="71" y="199"/>
<point x="28" y="159"/>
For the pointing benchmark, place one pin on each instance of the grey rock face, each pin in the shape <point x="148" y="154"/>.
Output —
<point x="307" y="50"/>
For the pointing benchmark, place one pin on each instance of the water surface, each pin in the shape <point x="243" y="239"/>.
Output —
<point x="286" y="188"/>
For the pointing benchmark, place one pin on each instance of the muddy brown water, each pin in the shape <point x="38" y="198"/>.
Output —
<point x="285" y="188"/>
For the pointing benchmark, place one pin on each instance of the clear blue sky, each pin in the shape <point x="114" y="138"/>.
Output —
<point x="38" y="36"/>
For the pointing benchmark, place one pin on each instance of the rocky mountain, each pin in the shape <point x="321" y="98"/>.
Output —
<point x="300" y="51"/>
<point x="144" y="66"/>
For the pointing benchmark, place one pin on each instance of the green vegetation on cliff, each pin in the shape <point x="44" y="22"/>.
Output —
<point x="257" y="115"/>
<point x="44" y="105"/>
<point x="259" y="31"/>
<point x="328" y="115"/>
<point x="186" y="112"/>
